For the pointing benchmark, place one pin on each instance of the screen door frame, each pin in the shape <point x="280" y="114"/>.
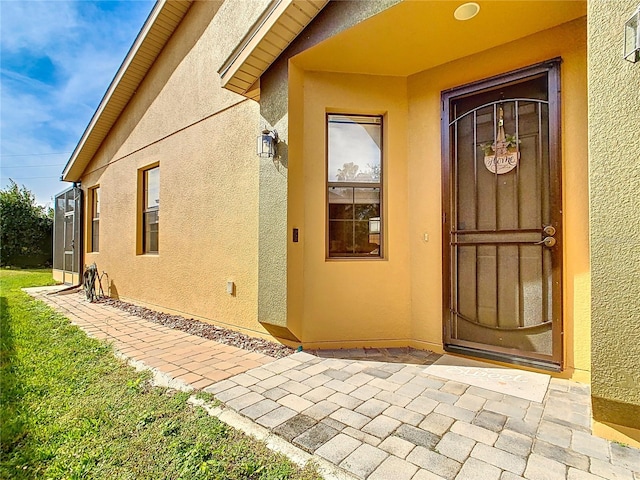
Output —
<point x="554" y="361"/>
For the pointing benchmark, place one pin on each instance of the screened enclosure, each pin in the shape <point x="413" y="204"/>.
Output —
<point x="67" y="235"/>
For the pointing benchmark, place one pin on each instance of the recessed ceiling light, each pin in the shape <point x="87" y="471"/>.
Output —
<point x="466" y="11"/>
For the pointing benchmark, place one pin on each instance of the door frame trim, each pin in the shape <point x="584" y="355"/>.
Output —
<point x="552" y="69"/>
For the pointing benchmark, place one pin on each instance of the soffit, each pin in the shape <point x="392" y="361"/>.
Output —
<point x="154" y="35"/>
<point x="416" y="35"/>
<point x="280" y="24"/>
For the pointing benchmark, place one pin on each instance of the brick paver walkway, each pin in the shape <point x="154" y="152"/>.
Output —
<point x="377" y="419"/>
<point x="194" y="361"/>
<point x="381" y="420"/>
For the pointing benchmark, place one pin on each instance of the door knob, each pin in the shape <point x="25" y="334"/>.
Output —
<point x="547" y="242"/>
<point x="549" y="230"/>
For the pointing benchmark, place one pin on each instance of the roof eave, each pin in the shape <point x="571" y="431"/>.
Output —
<point x="277" y="27"/>
<point x="171" y="13"/>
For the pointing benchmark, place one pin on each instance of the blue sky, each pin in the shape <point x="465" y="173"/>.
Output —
<point x="57" y="59"/>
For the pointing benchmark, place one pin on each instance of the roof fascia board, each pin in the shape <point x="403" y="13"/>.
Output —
<point x="241" y="49"/>
<point x="271" y="18"/>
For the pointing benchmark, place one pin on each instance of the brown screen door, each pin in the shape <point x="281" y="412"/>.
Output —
<point x="503" y="218"/>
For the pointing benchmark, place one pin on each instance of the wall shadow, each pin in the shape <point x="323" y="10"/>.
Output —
<point x="112" y="291"/>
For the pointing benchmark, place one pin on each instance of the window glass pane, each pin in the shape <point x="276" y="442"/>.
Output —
<point x="354" y="144"/>
<point x="152" y="187"/>
<point x="95" y="215"/>
<point x="340" y="203"/>
<point x="354" y="228"/>
<point x="96" y="202"/>
<point x="95" y="235"/>
<point x="367" y="203"/>
<point x="151" y="231"/>
<point x="340" y="238"/>
<point x="365" y="242"/>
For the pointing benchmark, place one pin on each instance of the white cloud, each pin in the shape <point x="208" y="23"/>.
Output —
<point x="58" y="58"/>
<point x="36" y="26"/>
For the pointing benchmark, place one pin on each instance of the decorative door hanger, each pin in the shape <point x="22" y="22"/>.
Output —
<point x="501" y="156"/>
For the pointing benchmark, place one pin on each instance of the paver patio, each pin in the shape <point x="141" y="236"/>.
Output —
<point x="373" y="418"/>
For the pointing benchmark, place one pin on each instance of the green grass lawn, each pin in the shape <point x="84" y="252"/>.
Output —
<point x="70" y="409"/>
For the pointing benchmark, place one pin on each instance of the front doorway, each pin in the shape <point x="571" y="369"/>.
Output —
<point x="502" y="211"/>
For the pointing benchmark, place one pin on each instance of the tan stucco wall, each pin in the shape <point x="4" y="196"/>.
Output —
<point x="279" y="292"/>
<point x="203" y="138"/>
<point x="223" y="211"/>
<point x="272" y="195"/>
<point x="614" y="170"/>
<point x="398" y="301"/>
<point x="351" y="301"/>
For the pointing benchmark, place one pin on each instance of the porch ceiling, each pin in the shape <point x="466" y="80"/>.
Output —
<point x="417" y="35"/>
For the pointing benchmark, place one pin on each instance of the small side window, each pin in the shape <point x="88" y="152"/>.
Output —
<point x="150" y="212"/>
<point x="94" y="196"/>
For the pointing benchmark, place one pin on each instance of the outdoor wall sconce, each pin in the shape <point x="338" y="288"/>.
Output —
<point x="267" y="142"/>
<point x="632" y="38"/>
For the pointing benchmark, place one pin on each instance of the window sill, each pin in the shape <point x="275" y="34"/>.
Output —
<point x="357" y="259"/>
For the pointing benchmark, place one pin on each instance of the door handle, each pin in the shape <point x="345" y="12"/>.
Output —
<point x="549" y="230"/>
<point x="547" y="242"/>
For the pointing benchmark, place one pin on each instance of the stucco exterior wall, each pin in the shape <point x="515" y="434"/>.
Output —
<point x="352" y="302"/>
<point x="398" y="301"/>
<point x="424" y="163"/>
<point x="203" y="138"/>
<point x="227" y="216"/>
<point x="273" y="179"/>
<point x="614" y="173"/>
<point x="275" y="305"/>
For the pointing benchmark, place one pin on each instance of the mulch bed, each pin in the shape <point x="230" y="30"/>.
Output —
<point x="202" y="329"/>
